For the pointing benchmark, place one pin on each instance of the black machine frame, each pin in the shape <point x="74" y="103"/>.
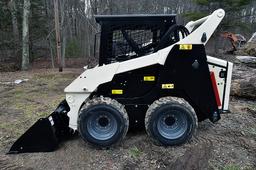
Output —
<point x="186" y="70"/>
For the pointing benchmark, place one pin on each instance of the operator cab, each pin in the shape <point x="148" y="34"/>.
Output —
<point x="125" y="37"/>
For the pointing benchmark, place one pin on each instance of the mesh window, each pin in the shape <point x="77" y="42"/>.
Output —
<point x="129" y="42"/>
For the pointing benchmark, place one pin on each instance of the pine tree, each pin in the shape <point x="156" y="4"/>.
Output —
<point x="233" y="9"/>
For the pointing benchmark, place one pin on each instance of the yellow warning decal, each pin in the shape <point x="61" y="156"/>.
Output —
<point x="167" y="86"/>
<point x="186" y="46"/>
<point x="117" y="91"/>
<point x="149" y="78"/>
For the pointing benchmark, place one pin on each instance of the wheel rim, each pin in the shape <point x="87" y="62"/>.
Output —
<point x="172" y="124"/>
<point x="102" y="125"/>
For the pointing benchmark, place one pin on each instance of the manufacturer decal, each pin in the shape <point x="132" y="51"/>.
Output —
<point x="117" y="91"/>
<point x="149" y="78"/>
<point x="186" y="46"/>
<point x="167" y="86"/>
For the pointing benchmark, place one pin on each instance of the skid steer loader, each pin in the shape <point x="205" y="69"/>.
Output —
<point x="152" y="73"/>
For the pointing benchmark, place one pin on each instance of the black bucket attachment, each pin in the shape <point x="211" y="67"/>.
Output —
<point x="46" y="134"/>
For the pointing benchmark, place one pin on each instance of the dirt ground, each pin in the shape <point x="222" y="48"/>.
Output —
<point x="229" y="144"/>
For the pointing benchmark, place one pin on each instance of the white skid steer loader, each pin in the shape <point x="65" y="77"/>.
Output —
<point x="152" y="73"/>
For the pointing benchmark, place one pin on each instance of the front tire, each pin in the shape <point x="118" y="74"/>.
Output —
<point x="170" y="121"/>
<point x="103" y="122"/>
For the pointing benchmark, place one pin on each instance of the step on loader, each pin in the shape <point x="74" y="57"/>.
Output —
<point x="152" y="73"/>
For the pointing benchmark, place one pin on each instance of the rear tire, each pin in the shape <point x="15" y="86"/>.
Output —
<point x="103" y="122"/>
<point x="170" y="121"/>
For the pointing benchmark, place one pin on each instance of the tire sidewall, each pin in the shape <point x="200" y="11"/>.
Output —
<point x="153" y="130"/>
<point x="87" y="113"/>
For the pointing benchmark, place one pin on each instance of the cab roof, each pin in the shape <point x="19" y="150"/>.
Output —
<point x="135" y="17"/>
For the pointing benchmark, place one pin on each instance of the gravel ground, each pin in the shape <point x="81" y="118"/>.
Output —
<point x="229" y="144"/>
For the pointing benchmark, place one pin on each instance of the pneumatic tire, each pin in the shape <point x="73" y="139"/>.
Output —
<point x="170" y="121"/>
<point x="103" y="122"/>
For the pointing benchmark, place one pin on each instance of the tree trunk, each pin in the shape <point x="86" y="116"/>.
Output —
<point x="25" y="35"/>
<point x="51" y="52"/>
<point x="15" y="29"/>
<point x="57" y="31"/>
<point x="63" y="31"/>
<point x="89" y="42"/>
<point x="63" y="50"/>
<point x="13" y="9"/>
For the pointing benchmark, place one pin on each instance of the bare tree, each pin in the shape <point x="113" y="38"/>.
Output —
<point x="63" y="30"/>
<point x="57" y="30"/>
<point x="25" y="35"/>
<point x="15" y="29"/>
<point x="12" y="5"/>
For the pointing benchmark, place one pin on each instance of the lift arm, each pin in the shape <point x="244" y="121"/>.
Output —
<point x="207" y="27"/>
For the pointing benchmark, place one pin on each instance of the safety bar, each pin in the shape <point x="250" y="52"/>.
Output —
<point x="190" y="26"/>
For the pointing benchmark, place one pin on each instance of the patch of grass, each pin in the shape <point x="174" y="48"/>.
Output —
<point x="33" y="110"/>
<point x="53" y="82"/>
<point x="32" y="102"/>
<point x="231" y="167"/>
<point x="134" y="152"/>
<point x="16" y="128"/>
<point x="29" y="110"/>
<point x="45" y="76"/>
<point x="253" y="107"/>
<point x="18" y="92"/>
<point x="249" y="168"/>
<point x="251" y="131"/>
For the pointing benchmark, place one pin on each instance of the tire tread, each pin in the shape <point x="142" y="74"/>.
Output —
<point x="168" y="100"/>
<point x="111" y="102"/>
